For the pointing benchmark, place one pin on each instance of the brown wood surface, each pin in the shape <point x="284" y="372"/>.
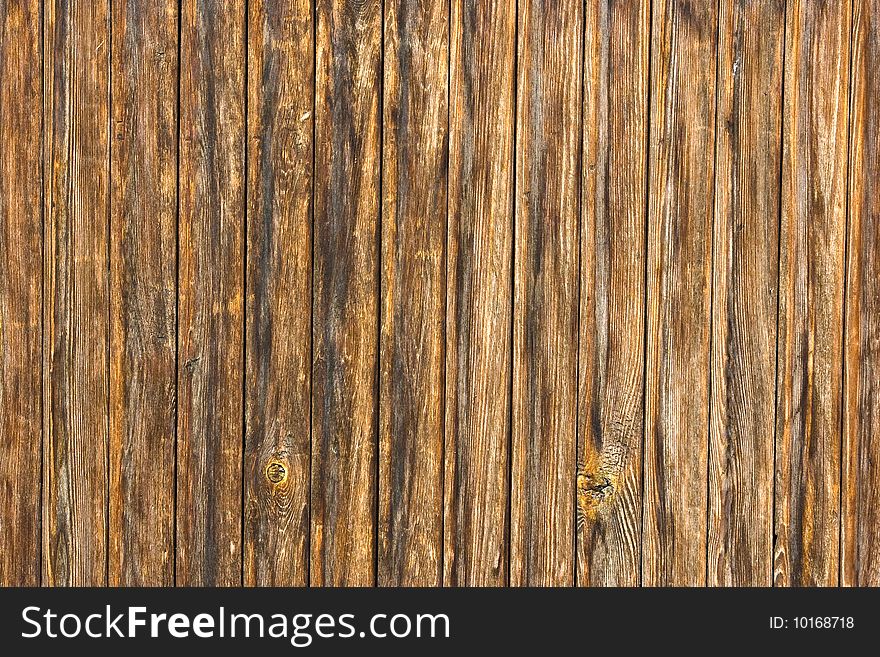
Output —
<point x="279" y="293"/>
<point x="21" y="245"/>
<point x="482" y="40"/>
<point x="413" y="284"/>
<point x="143" y="292"/>
<point x="75" y="280"/>
<point x="745" y="271"/>
<point x="346" y="292"/>
<point x="210" y="293"/>
<point x="417" y="292"/>
<point x="612" y="293"/>
<point x="680" y="210"/>
<point x="860" y="560"/>
<point x="545" y="330"/>
<point x="811" y="293"/>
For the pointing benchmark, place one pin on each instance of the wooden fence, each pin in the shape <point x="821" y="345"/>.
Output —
<point x="440" y="292"/>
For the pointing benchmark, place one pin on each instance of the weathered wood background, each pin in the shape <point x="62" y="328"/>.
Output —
<point x="440" y="292"/>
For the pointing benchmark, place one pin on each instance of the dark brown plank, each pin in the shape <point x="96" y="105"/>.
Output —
<point x="811" y="293"/>
<point x="682" y="141"/>
<point x="745" y="293"/>
<point x="612" y="295"/>
<point x="279" y="293"/>
<point x="211" y="293"/>
<point x="77" y="106"/>
<point x="860" y="560"/>
<point x="346" y="287"/>
<point x="479" y="293"/>
<point x="545" y="296"/>
<point x="414" y="176"/>
<point x="143" y="262"/>
<point x="21" y="246"/>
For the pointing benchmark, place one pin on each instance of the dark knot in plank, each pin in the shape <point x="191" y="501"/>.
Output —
<point x="276" y="472"/>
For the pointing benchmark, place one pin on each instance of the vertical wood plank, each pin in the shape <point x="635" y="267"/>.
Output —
<point x="545" y="297"/>
<point x="683" y="52"/>
<point x="21" y="246"/>
<point x="210" y="296"/>
<point x="414" y="179"/>
<point x="861" y="495"/>
<point x="77" y="106"/>
<point x="612" y="296"/>
<point x="745" y="292"/>
<point x="479" y="292"/>
<point x="279" y="293"/>
<point x="811" y="289"/>
<point x="143" y="290"/>
<point x="346" y="292"/>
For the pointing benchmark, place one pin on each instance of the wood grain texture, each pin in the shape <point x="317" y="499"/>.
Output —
<point x="479" y="292"/>
<point x="612" y="293"/>
<point x="860" y="560"/>
<point x="422" y="293"/>
<point x="143" y="292"/>
<point x="413" y="283"/>
<point x="745" y="277"/>
<point x="21" y="245"/>
<point x="77" y="111"/>
<point x="279" y="293"/>
<point x="346" y="292"/>
<point x="545" y="307"/>
<point x="210" y="293"/>
<point x="682" y="142"/>
<point x="811" y="289"/>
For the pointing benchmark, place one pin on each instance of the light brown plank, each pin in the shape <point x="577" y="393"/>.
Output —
<point x="680" y="212"/>
<point x="21" y="246"/>
<point x="210" y="293"/>
<point x="143" y="290"/>
<point x="545" y="296"/>
<point x="745" y="292"/>
<point x="414" y="178"/>
<point x="811" y="289"/>
<point x="612" y="295"/>
<point x="860" y="560"/>
<point x="77" y="106"/>
<point x="346" y="287"/>
<point x="479" y="293"/>
<point x="279" y="293"/>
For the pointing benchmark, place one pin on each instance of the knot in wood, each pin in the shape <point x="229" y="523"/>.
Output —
<point x="276" y="472"/>
<point x="594" y="490"/>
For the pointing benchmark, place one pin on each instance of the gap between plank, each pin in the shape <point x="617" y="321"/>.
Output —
<point x="647" y="190"/>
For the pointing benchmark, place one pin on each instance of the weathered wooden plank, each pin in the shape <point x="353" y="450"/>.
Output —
<point x="77" y="107"/>
<point x="612" y="296"/>
<point x="414" y="178"/>
<point x="439" y="366"/>
<point x="279" y="293"/>
<point x="479" y="292"/>
<point x="811" y="292"/>
<point x="745" y="292"/>
<point x="346" y="292"/>
<point x="21" y="246"/>
<point x="682" y="140"/>
<point x="860" y="560"/>
<point x="143" y="290"/>
<point x="210" y="293"/>
<point x="545" y="295"/>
